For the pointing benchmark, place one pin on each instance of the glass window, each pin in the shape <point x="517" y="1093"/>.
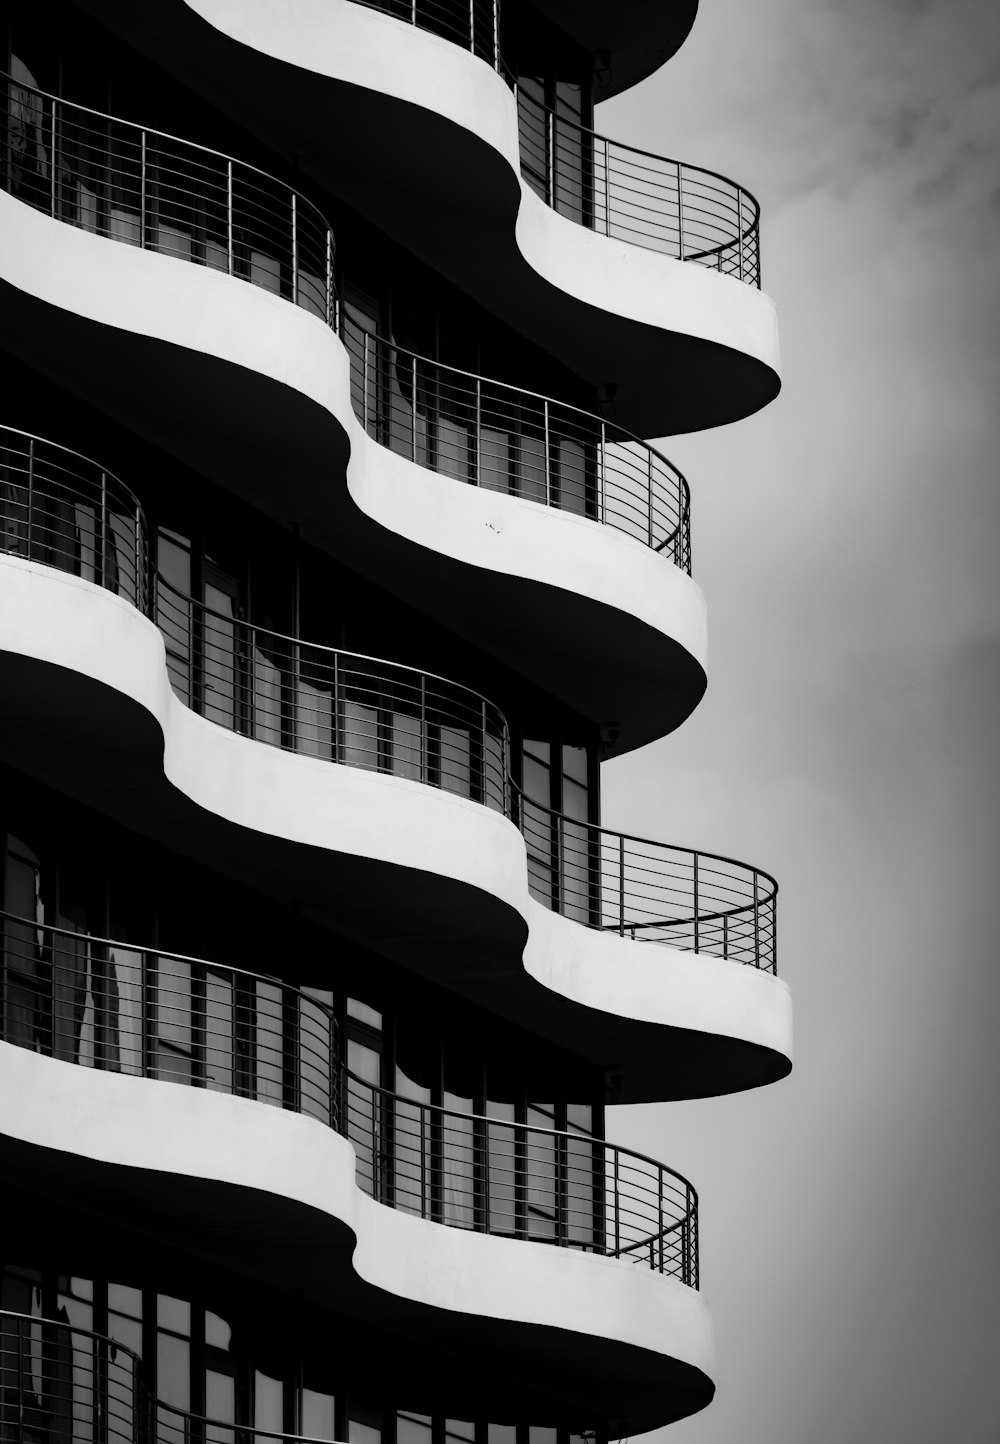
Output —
<point x="173" y="607"/>
<point x="458" y="1162"/>
<point x="364" y="1111"/>
<point x="217" y="1332"/>
<point x="364" y="1013"/>
<point x="411" y="1140"/>
<point x="317" y="1415"/>
<point x="268" y="1402"/>
<point x="503" y="1167"/>
<point x="173" y="1314"/>
<point x="359" y="1433"/>
<point x="413" y="1429"/>
<point x="541" y="1171"/>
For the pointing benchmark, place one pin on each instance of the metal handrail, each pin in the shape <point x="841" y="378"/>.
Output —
<point x="383" y="716"/>
<point x="517" y="442"/>
<point x="147" y="188"/>
<point x="498" y="1176"/>
<point x="471" y="24"/>
<point x="120" y="1007"/>
<point x="111" y="1402"/>
<point x="325" y="702"/>
<point x="124" y="1008"/>
<point x="618" y="190"/>
<point x="60" y="508"/>
<point x="123" y="182"/>
<point x="649" y="891"/>
<point x="648" y="200"/>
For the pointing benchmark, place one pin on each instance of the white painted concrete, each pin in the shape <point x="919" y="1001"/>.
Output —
<point x="352" y="44"/>
<point x="654" y="983"/>
<point x="198" y="309"/>
<point x="72" y="624"/>
<point x="169" y="1129"/>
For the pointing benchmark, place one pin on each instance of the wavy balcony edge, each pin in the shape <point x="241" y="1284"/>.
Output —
<point x="332" y="837"/>
<point x="231" y="1031"/>
<point x="639" y="624"/>
<point x="613" y="310"/>
<point x="65" y="511"/>
<point x="176" y="1151"/>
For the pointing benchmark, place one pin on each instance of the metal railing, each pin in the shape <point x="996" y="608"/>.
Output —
<point x="60" y="1384"/>
<point x="60" y="508"/>
<point x="471" y="24"/>
<point x="503" y="439"/>
<point x="633" y="195"/>
<point x="650" y="891"/>
<point x="648" y="200"/>
<point x="494" y="1175"/>
<point x="140" y="187"/>
<point x="122" y="1008"/>
<point x="145" y="188"/>
<point x="341" y="706"/>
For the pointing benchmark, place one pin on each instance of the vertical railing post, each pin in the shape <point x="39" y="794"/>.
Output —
<point x="621" y="884"/>
<point x="659" y="1225"/>
<point x="479" y="431"/>
<point x="607" y="190"/>
<point x="413" y="399"/>
<point x="364" y="383"/>
<point x="604" y="474"/>
<point x="423" y="728"/>
<point x="21" y="1376"/>
<point x="229" y="215"/>
<point x="696" y="903"/>
<point x="330" y="315"/>
<point x="31" y="491"/>
<point x="140" y="564"/>
<point x="55" y="150"/>
<point x="335" y="719"/>
<point x="104" y="529"/>
<point x="739" y="211"/>
<point x="725" y="935"/>
<point x="680" y="216"/>
<point x="548" y="463"/>
<point x="472" y="26"/>
<point x="496" y="36"/>
<point x="617" y="1209"/>
<point x="756" y="923"/>
<point x="649" y="485"/>
<point x="485" y="754"/>
<point x="295" y="250"/>
<point x="142" y="193"/>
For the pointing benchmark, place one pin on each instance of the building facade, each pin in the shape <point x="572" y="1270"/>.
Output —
<point x="333" y="564"/>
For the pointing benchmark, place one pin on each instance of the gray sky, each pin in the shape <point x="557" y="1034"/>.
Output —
<point x="847" y="543"/>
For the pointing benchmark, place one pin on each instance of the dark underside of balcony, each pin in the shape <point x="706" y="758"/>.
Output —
<point x="243" y="431"/>
<point x="490" y="1365"/>
<point x="396" y="164"/>
<point x="639" y="35"/>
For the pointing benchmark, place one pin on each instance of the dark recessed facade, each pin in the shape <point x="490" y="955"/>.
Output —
<point x="333" y="564"/>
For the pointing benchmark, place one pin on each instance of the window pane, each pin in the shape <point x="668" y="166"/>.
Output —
<point x="173" y="1314"/>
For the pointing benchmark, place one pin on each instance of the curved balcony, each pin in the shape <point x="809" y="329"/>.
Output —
<point x="121" y="1008"/>
<point x="488" y="434"/>
<point x="380" y="716"/>
<point x="63" y="1383"/>
<point x="566" y="235"/>
<point x="494" y="1175"/>
<point x="153" y="191"/>
<point x="679" y="210"/>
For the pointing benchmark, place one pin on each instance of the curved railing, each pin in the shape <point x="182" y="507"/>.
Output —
<point x="63" y="1384"/>
<point x="664" y="205"/>
<point x="145" y="188"/>
<point x="650" y="891"/>
<point x="498" y="1176"/>
<point x="498" y="437"/>
<point x="471" y="24"/>
<point x="340" y="706"/>
<point x="122" y="1008"/>
<point x="633" y="195"/>
<point x="62" y="509"/>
